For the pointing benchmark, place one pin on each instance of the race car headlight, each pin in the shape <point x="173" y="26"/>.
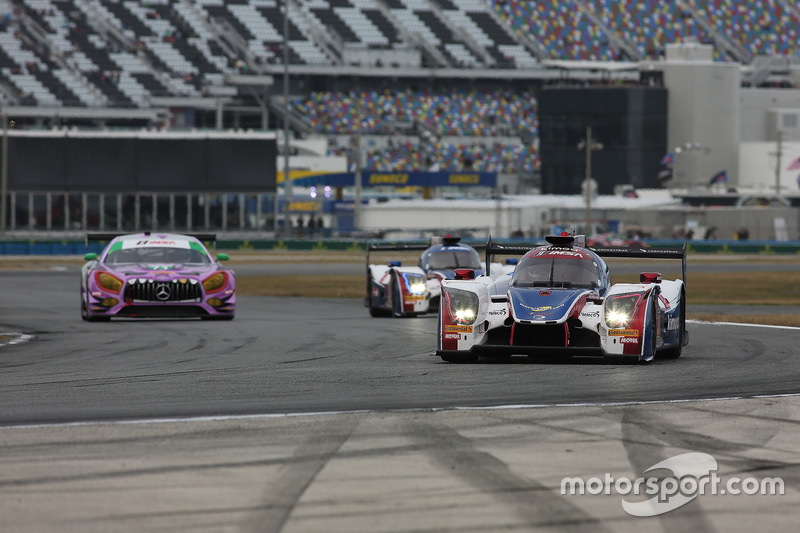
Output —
<point x="462" y="305"/>
<point x="620" y="309"/>
<point x="415" y="283"/>
<point x="215" y="283"/>
<point x="108" y="282"/>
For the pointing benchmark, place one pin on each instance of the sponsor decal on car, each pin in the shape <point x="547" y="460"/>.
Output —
<point x="501" y="312"/>
<point x="567" y="253"/>
<point x="629" y="340"/>
<point x="410" y="298"/>
<point x="452" y="336"/>
<point x="590" y="314"/>
<point x="457" y="327"/>
<point x="155" y="243"/>
<point x="540" y="309"/>
<point x="623" y="332"/>
<point x="673" y="323"/>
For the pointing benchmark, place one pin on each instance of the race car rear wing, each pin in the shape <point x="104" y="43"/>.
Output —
<point x="393" y="248"/>
<point x="496" y="248"/>
<point x="100" y="236"/>
<point x="646" y="253"/>
<point x="411" y="247"/>
<point x="493" y="248"/>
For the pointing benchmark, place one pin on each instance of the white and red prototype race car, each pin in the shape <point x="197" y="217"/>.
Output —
<point x="405" y="291"/>
<point x="560" y="301"/>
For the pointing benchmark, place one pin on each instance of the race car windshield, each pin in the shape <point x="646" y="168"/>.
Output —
<point x="448" y="260"/>
<point x="556" y="272"/>
<point x="159" y="255"/>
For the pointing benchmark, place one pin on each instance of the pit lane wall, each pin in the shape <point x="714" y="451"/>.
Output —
<point x="75" y="247"/>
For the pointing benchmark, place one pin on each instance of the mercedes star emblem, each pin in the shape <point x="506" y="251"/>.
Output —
<point x="162" y="292"/>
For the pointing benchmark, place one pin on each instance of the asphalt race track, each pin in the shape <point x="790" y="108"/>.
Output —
<point x="375" y="422"/>
<point x="316" y="355"/>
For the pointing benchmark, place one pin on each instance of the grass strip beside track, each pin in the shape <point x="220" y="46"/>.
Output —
<point x="724" y="288"/>
<point x="706" y="288"/>
<point x="703" y="288"/>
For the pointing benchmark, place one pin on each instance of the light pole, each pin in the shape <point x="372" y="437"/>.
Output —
<point x="589" y="144"/>
<point x="287" y="181"/>
<point x="4" y="175"/>
<point x="778" y="153"/>
<point x="356" y="162"/>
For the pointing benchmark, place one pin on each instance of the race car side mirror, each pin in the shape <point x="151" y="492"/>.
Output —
<point x="91" y="256"/>
<point x="650" y="277"/>
<point x="222" y="257"/>
<point x="464" y="273"/>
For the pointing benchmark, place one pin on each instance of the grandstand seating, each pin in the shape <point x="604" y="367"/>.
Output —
<point x="408" y="156"/>
<point x="441" y="114"/>
<point x="454" y="112"/>
<point x="59" y="52"/>
<point x="649" y="24"/>
<point x="563" y="27"/>
<point x="762" y="27"/>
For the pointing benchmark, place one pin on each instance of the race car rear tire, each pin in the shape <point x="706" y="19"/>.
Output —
<point x="459" y="358"/>
<point x="397" y="298"/>
<point x="674" y="353"/>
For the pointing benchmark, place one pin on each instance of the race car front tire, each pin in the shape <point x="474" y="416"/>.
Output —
<point x="84" y="310"/>
<point x="378" y="312"/>
<point x="461" y="357"/>
<point x="85" y="315"/>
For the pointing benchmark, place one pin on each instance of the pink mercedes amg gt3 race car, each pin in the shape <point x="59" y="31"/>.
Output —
<point x="156" y="275"/>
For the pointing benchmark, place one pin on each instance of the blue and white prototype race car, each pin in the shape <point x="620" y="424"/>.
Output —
<point x="560" y="301"/>
<point x="402" y="291"/>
